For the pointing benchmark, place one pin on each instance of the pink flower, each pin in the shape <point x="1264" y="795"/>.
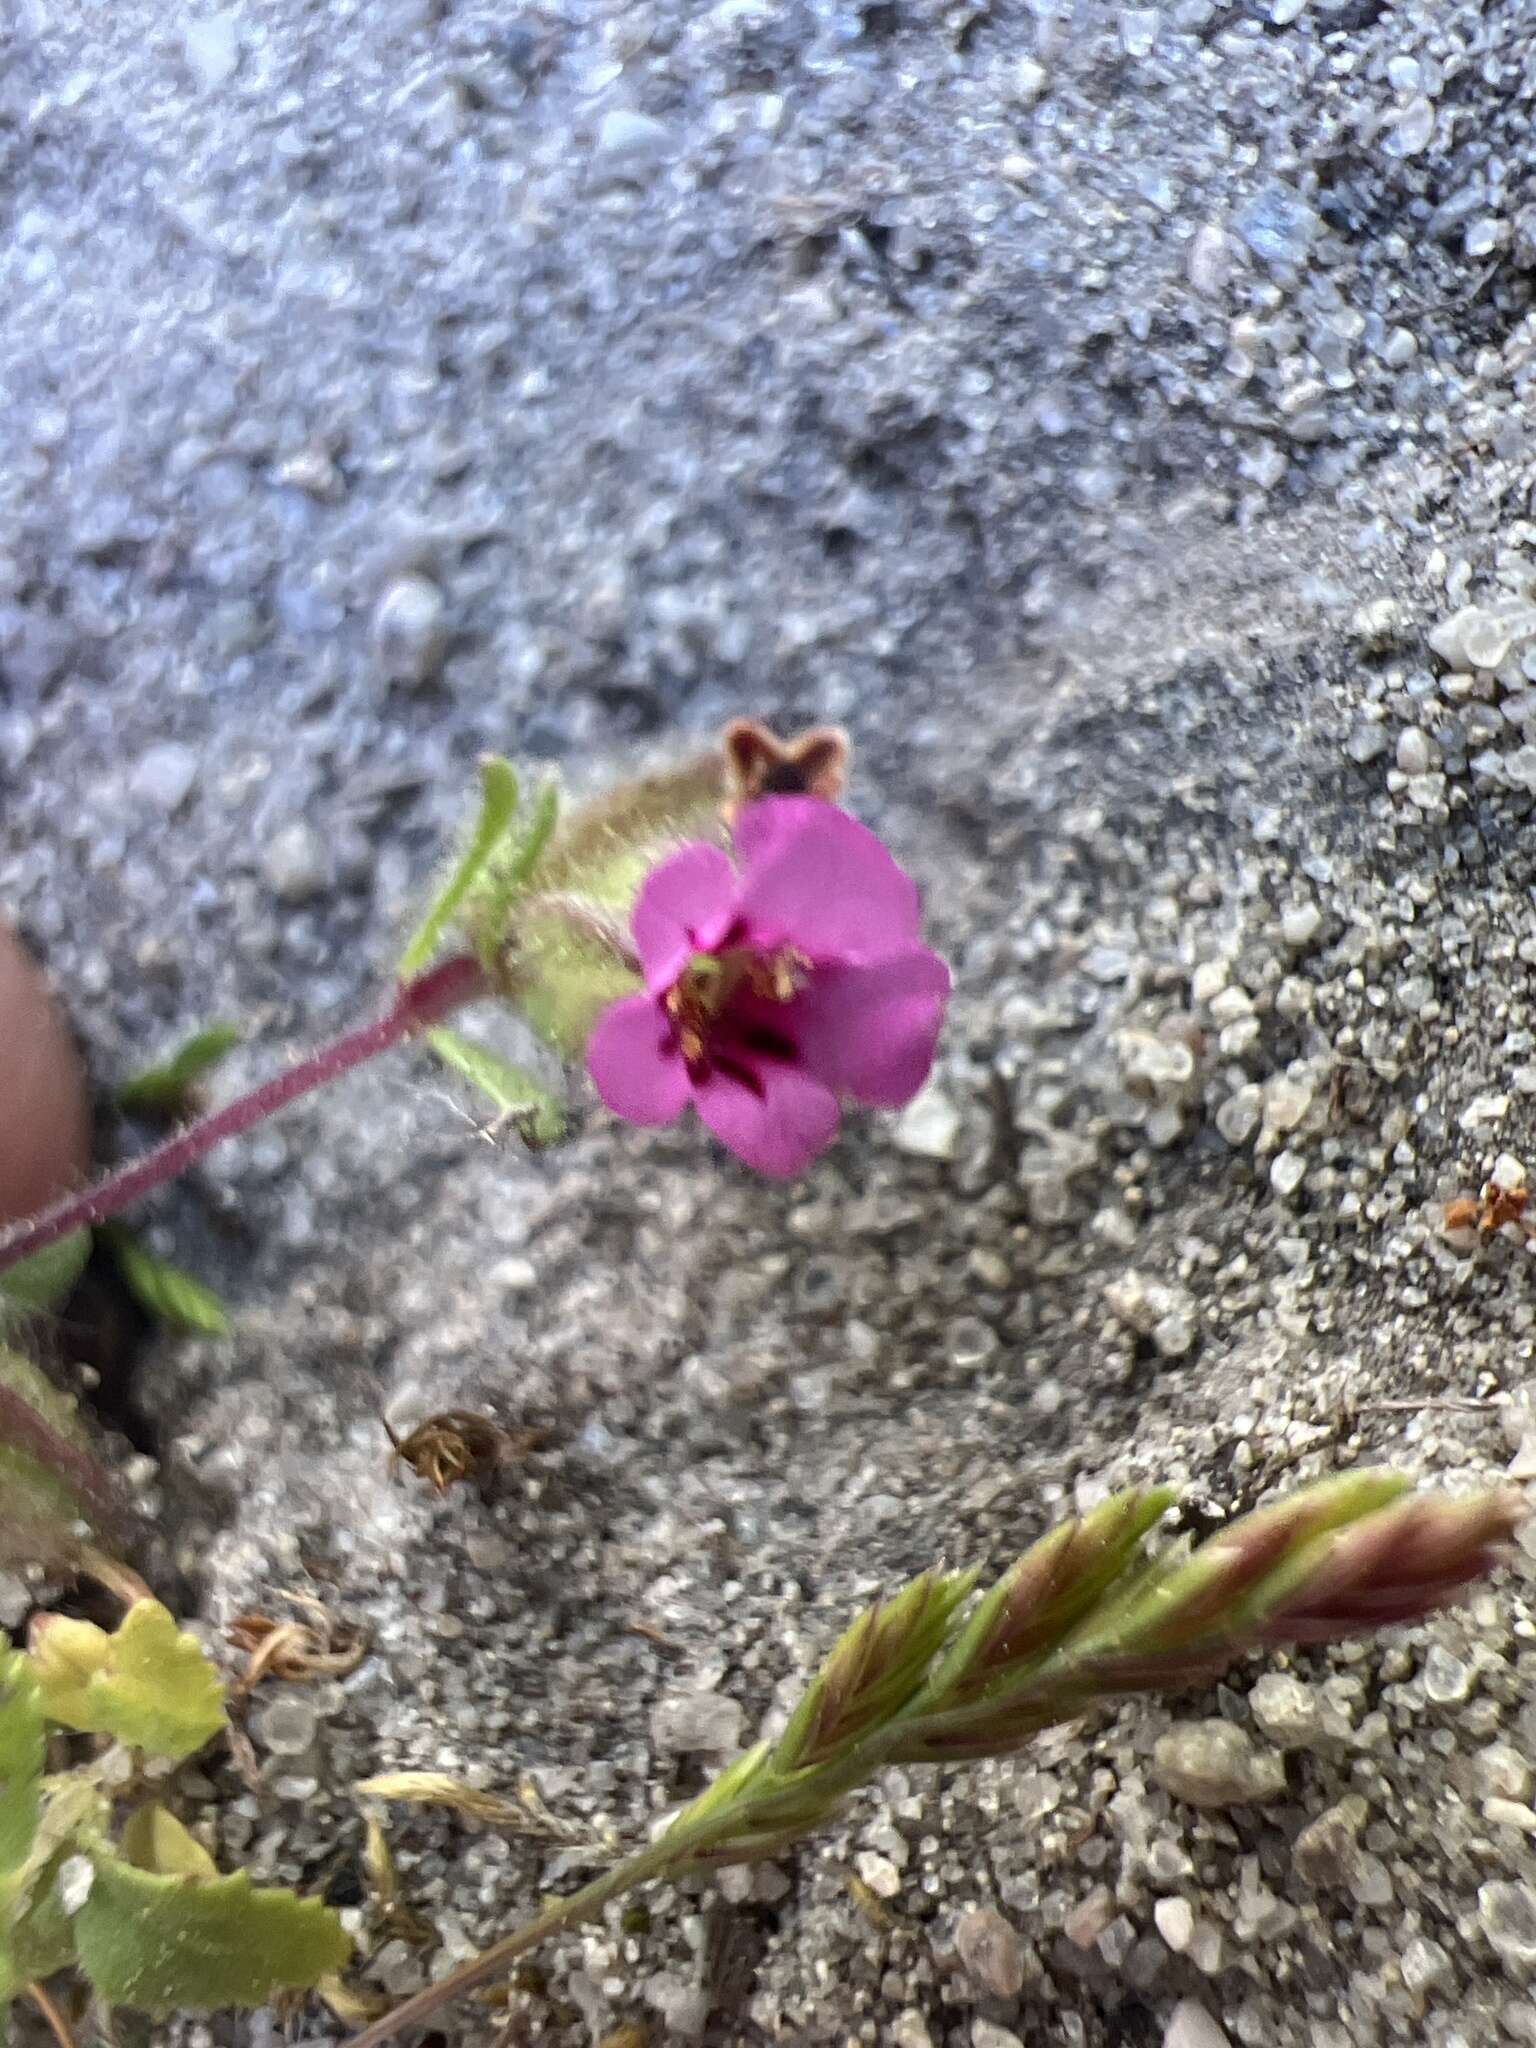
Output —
<point x="774" y="988"/>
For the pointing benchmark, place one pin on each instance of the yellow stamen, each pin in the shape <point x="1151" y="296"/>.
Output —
<point x="702" y="992"/>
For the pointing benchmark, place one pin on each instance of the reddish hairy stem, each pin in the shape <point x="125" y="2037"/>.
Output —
<point x="418" y="1003"/>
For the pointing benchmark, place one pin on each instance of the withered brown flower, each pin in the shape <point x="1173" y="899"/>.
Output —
<point x="459" y="1445"/>
<point x="297" y="1652"/>
<point x="758" y="763"/>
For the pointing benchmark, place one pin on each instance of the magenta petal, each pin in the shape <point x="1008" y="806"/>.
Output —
<point x="685" y="906"/>
<point x="780" y="1126"/>
<point x="634" y="1064"/>
<point x="816" y="879"/>
<point x="870" y="1032"/>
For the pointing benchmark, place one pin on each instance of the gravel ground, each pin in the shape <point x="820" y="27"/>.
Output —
<point x="1120" y="418"/>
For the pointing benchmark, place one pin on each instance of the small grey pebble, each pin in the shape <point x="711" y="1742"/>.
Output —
<point x="629" y="144"/>
<point x="297" y="864"/>
<point x="696" y="1723"/>
<point x="929" y="1126"/>
<point x="1326" y="1852"/>
<point x="1191" y="2026"/>
<point x="1414" y="754"/>
<point x="1286" y="1711"/>
<point x="1447" y="1679"/>
<point x="992" y="1950"/>
<point x="1425" y="1966"/>
<point x="285" y="1725"/>
<point x="1214" y="1763"/>
<point x="1507" y="1912"/>
<point x="1365" y="744"/>
<point x="410" y="629"/>
<point x="212" y="50"/>
<point x="163" y="777"/>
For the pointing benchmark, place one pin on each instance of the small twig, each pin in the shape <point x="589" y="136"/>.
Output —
<point x="1455" y="1404"/>
<point x="651" y="1634"/>
<point x="296" y="1652"/>
<point x="559" y="1913"/>
<point x="53" y="2018"/>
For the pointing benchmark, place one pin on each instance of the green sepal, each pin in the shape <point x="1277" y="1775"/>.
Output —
<point x="550" y="921"/>
<point x="515" y="1093"/>
<point x="498" y="808"/>
<point x="170" y="1295"/>
<point x="169" y="1087"/>
<point x="606" y="847"/>
<point x="561" y="979"/>
<point x="40" y="1284"/>
<point x="166" y="1944"/>
<point x="149" y="1683"/>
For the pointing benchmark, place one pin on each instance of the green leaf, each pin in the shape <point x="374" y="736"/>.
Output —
<point x="167" y="1088"/>
<point x="39" y="1284"/>
<point x="165" y="1290"/>
<point x="21" y="1761"/>
<point x="498" y="807"/>
<point x="514" y="1091"/>
<point x="149" y="1683"/>
<point x="164" y="1944"/>
<point x="53" y="1493"/>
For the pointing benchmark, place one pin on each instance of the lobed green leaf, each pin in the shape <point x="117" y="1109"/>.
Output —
<point x="149" y="1684"/>
<point x="154" y="1839"/>
<point x="169" y="1943"/>
<point x="22" y="1744"/>
<point x="40" y="1823"/>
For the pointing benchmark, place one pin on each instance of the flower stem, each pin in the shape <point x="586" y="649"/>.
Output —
<point x="675" y="1850"/>
<point x="422" y="1001"/>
